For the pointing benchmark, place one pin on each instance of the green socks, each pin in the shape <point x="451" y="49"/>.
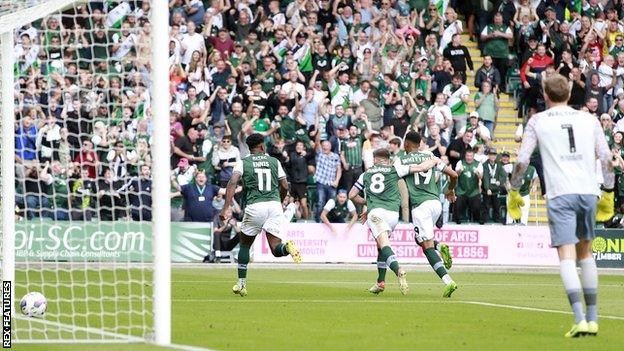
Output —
<point x="381" y="267"/>
<point x="243" y="260"/>
<point x="280" y="250"/>
<point x="435" y="261"/>
<point x="388" y="256"/>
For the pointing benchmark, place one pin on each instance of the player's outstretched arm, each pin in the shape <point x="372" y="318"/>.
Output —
<point x="450" y="194"/>
<point x="604" y="207"/>
<point x="424" y="166"/>
<point x="604" y="155"/>
<point x="529" y="143"/>
<point x="284" y="188"/>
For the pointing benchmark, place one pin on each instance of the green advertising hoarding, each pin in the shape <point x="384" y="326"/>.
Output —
<point x="608" y="248"/>
<point x="106" y="241"/>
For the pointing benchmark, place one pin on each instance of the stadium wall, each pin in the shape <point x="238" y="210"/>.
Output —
<point x="190" y="242"/>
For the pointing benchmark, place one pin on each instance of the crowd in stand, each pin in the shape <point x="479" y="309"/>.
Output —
<point x="326" y="82"/>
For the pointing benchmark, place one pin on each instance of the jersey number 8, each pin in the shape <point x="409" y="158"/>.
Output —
<point x="377" y="183"/>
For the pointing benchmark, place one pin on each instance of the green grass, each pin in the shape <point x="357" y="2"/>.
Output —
<point x="306" y="309"/>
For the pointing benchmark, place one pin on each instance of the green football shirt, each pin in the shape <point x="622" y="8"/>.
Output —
<point x="468" y="181"/>
<point x="529" y="175"/>
<point x="380" y="186"/>
<point x="421" y="186"/>
<point x="260" y="175"/>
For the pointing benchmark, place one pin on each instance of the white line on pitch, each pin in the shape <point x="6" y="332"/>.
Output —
<point x="479" y="303"/>
<point x="363" y="283"/>
<point x="188" y="347"/>
<point x="534" y="309"/>
<point x="306" y="300"/>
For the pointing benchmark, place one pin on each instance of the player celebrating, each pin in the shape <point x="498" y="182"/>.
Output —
<point x="380" y="184"/>
<point x="569" y="141"/>
<point x="261" y="176"/>
<point x="425" y="201"/>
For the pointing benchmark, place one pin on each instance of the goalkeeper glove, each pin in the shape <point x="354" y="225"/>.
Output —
<point x="604" y="207"/>
<point x="514" y="204"/>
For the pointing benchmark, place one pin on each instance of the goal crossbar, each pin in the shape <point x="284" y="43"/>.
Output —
<point x="25" y="15"/>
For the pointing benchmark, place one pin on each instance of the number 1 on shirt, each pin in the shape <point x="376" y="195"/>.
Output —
<point x="264" y="179"/>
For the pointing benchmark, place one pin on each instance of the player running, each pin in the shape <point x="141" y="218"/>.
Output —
<point x="380" y="185"/>
<point x="265" y="186"/>
<point x="425" y="201"/>
<point x="569" y="142"/>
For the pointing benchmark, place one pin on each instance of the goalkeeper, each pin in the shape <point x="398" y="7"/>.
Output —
<point x="569" y="142"/>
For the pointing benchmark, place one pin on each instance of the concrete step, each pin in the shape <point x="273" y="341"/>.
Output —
<point x="508" y="145"/>
<point x="507" y="119"/>
<point x="506" y="107"/>
<point x="503" y="135"/>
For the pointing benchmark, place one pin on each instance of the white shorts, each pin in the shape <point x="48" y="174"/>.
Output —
<point x="424" y="218"/>
<point x="267" y="215"/>
<point x="380" y="220"/>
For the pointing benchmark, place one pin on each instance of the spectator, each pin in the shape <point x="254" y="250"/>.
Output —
<point x="81" y="200"/>
<point x="191" y="42"/>
<point x="186" y="147"/>
<point x="298" y="163"/>
<point x="508" y="10"/>
<point x="222" y="239"/>
<point x="234" y="122"/>
<point x="400" y="122"/>
<point x="458" y="96"/>
<point x="224" y="158"/>
<point x="435" y="143"/>
<point x="468" y="188"/>
<point x="339" y="210"/>
<point x="34" y="196"/>
<point x="327" y="175"/>
<point x="60" y="191"/>
<point x="198" y="199"/>
<point x="442" y="116"/>
<point x="26" y="141"/>
<point x="351" y="157"/>
<point x="487" y="72"/>
<point x="577" y="89"/>
<point x="118" y="161"/>
<point x="140" y="195"/>
<point x="459" y="56"/>
<point x="494" y="179"/>
<point x="49" y="140"/>
<point x="183" y="174"/>
<point x="481" y="135"/>
<point x="111" y="197"/>
<point x="452" y="26"/>
<point x="88" y="159"/>
<point x="457" y="148"/>
<point x="496" y="37"/>
<point x="486" y="102"/>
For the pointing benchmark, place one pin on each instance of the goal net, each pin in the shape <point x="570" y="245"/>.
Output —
<point x="83" y="131"/>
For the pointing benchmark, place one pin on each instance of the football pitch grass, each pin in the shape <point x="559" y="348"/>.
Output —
<point x="329" y="309"/>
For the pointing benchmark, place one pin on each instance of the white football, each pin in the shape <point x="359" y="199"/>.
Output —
<point x="33" y="304"/>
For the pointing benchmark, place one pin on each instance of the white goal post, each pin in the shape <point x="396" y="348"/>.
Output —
<point x="90" y="299"/>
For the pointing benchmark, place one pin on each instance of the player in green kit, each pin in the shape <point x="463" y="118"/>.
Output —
<point x="265" y="186"/>
<point x="425" y="202"/>
<point x="380" y="185"/>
